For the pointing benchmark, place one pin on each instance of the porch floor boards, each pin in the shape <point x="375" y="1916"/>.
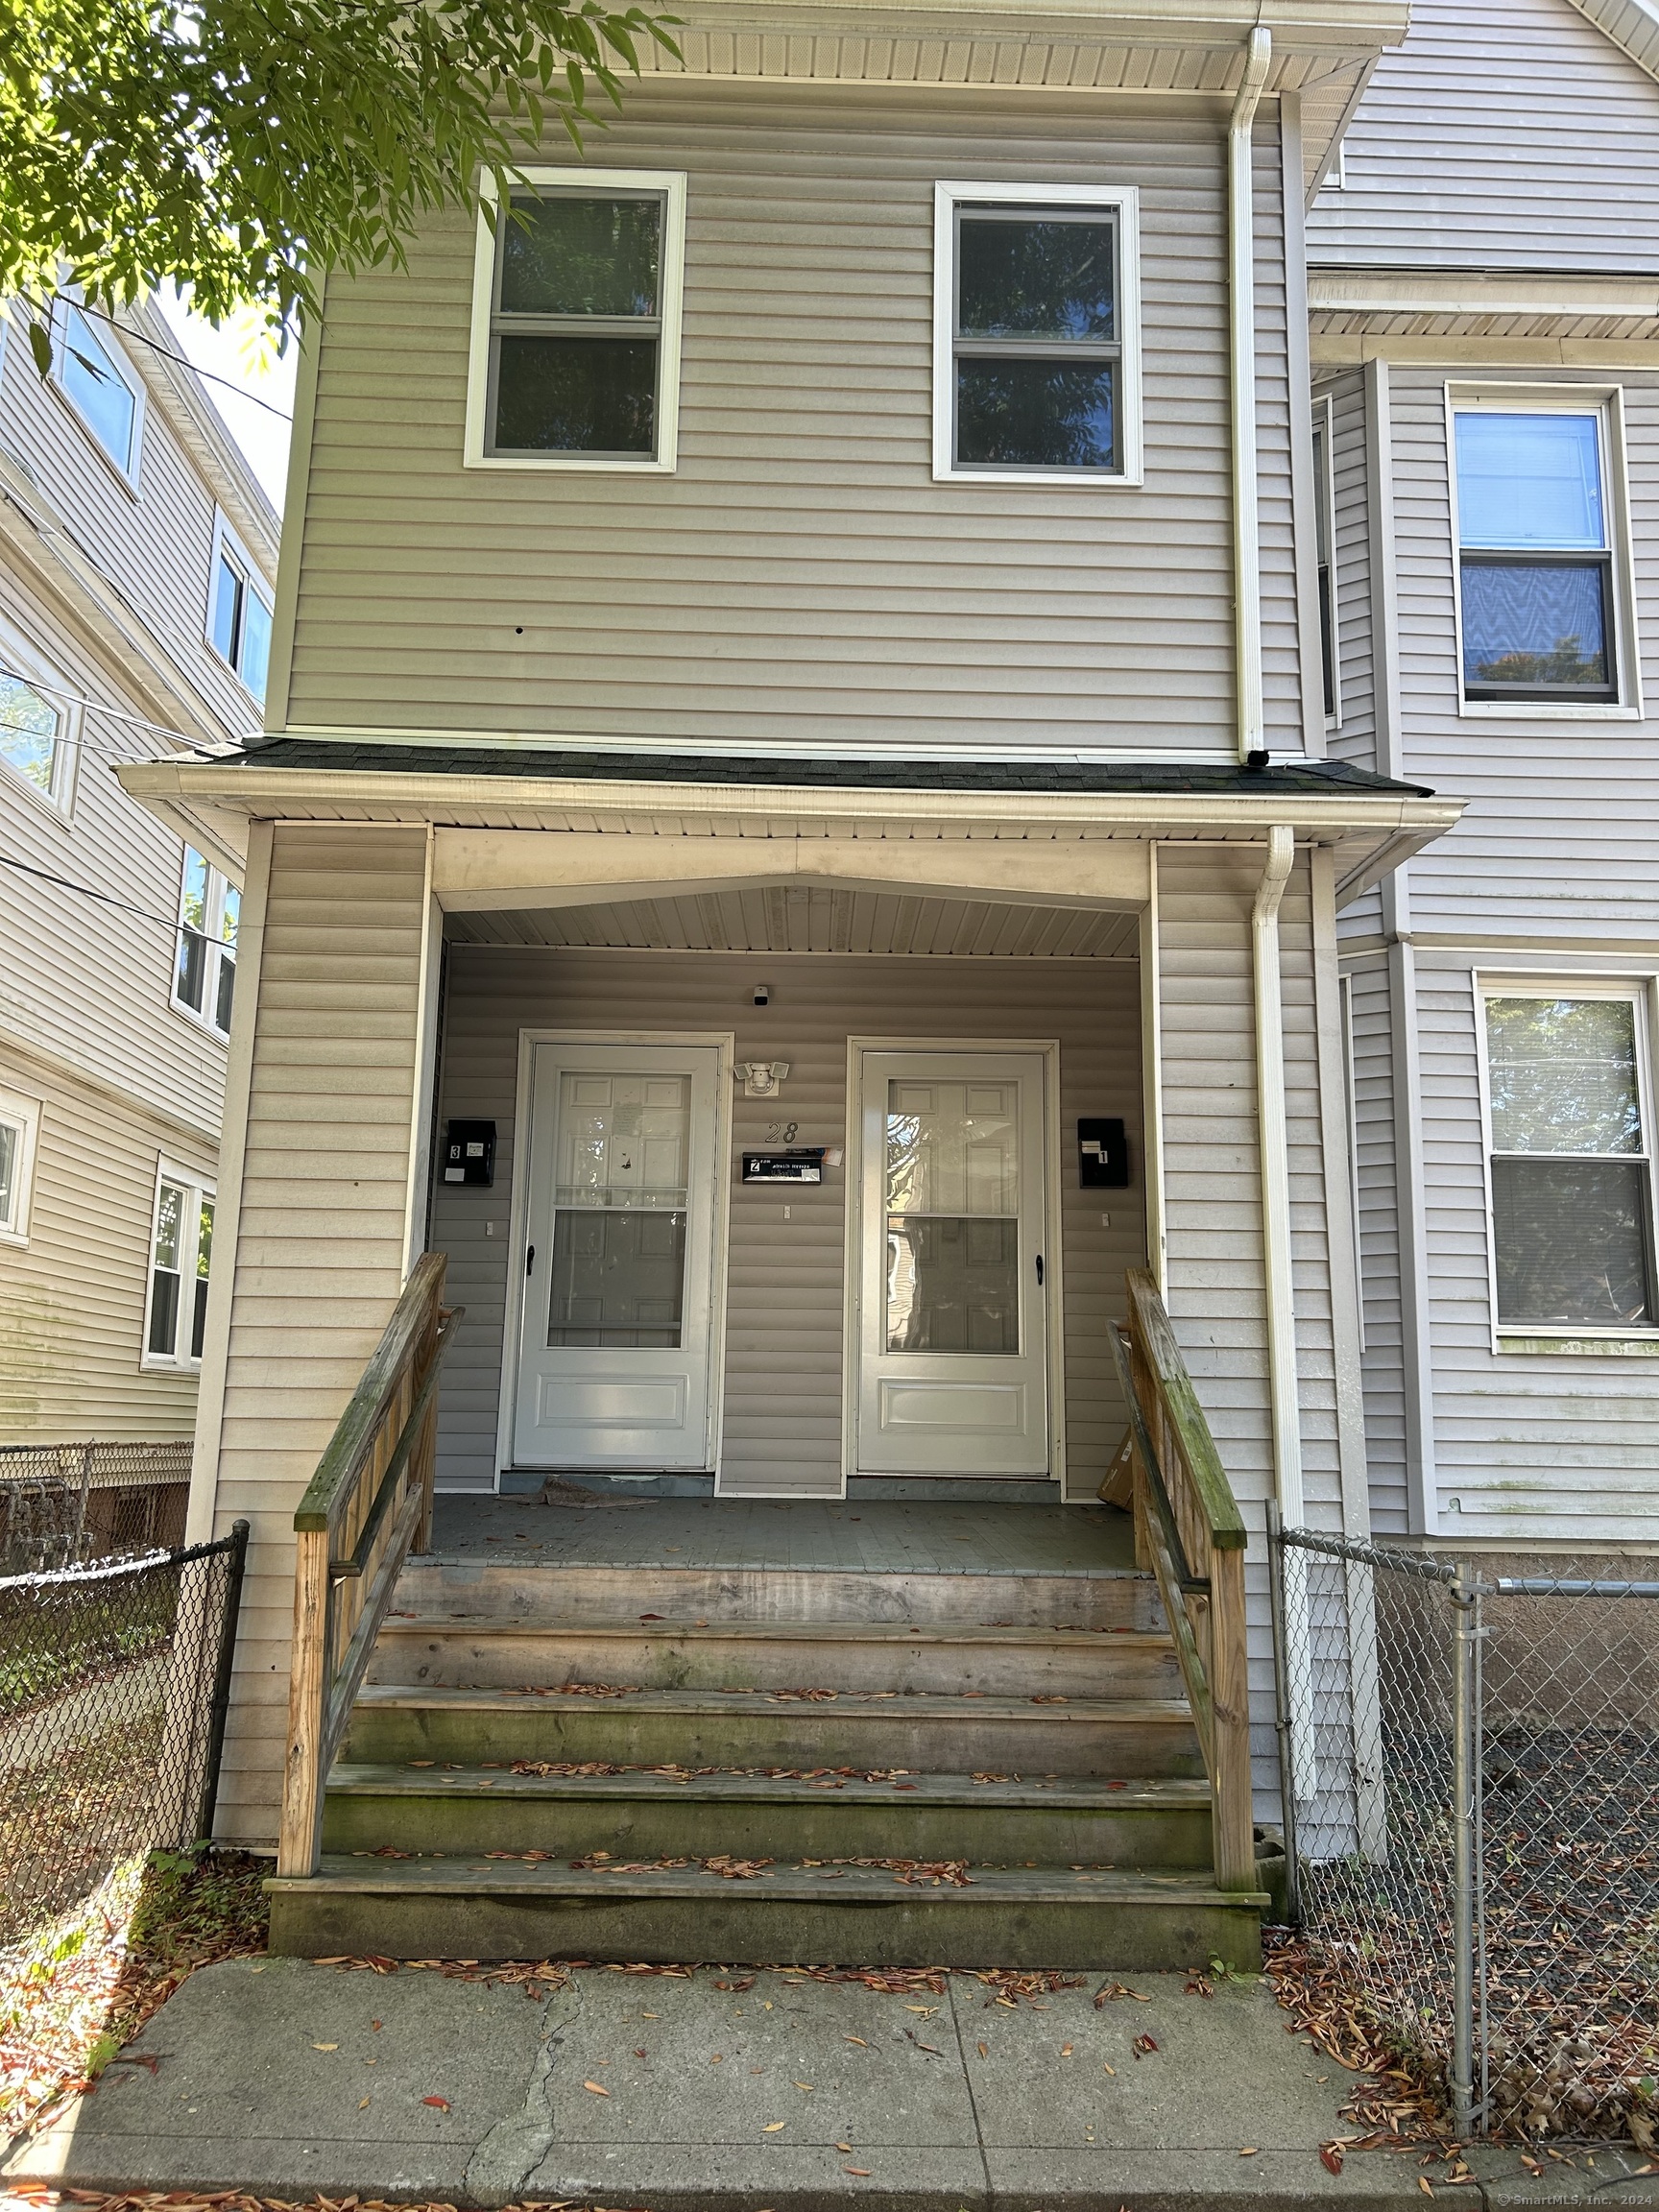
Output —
<point x="871" y="1536"/>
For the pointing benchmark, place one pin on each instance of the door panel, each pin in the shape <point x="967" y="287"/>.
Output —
<point x="952" y="1337"/>
<point x="615" y="1363"/>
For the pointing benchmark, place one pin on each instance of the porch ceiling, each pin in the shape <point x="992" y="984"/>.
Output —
<point x="813" y="918"/>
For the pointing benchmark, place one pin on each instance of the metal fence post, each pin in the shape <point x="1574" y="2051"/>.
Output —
<point x="1465" y="1600"/>
<point x="1282" y="1720"/>
<point x="224" y="1661"/>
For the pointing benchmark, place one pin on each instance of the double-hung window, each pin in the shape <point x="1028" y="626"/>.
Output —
<point x="1571" y="1161"/>
<point x="1536" y="583"/>
<point x="1036" y="363"/>
<point x="181" y="1248"/>
<point x="19" y="1135"/>
<point x="38" y="726"/>
<point x="102" y="389"/>
<point x="205" y="971"/>
<point x="239" y="614"/>
<point x="576" y="323"/>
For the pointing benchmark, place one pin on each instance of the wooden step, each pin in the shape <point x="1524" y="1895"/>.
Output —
<point x="547" y="1591"/>
<point x="393" y="1723"/>
<point x="459" y="1651"/>
<point x="1157" y="1822"/>
<point x="1030" y="1917"/>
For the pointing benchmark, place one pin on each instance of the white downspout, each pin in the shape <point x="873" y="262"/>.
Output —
<point x="1241" y="299"/>
<point x="1276" y="1175"/>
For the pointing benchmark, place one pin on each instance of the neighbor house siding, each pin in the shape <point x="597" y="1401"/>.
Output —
<point x="319" y="1244"/>
<point x="783" y="1370"/>
<point x="1504" y="134"/>
<point x="801" y="578"/>
<point x="1376" y="1102"/>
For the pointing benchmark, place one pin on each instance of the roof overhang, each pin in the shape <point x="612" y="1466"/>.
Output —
<point x="1350" y="310"/>
<point x="1369" y="832"/>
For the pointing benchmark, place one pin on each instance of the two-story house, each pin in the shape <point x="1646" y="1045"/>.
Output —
<point x="1482" y="287"/>
<point x="135" y="554"/>
<point x="794" y="844"/>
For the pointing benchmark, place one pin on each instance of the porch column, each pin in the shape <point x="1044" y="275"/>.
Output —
<point x="323" y="1173"/>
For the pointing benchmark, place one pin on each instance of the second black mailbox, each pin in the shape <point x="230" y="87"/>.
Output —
<point x="1102" y="1155"/>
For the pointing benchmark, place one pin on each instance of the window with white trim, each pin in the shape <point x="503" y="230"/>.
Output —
<point x="205" y="971"/>
<point x="1571" y="1163"/>
<point x="1036" y="368"/>
<point x="576" y="322"/>
<point x="1324" y="542"/>
<point x="1535" y="563"/>
<point x="38" y="725"/>
<point x="19" y="1136"/>
<point x="239" y="612"/>
<point x="180" y="1251"/>
<point x="102" y="388"/>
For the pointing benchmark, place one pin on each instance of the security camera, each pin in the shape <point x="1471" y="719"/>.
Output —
<point x="763" y="994"/>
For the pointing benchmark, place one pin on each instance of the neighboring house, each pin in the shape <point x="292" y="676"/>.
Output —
<point x="1485" y="348"/>
<point x="135" y="549"/>
<point x="807" y="638"/>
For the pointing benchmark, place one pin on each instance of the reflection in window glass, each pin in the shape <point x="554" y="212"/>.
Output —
<point x="11" y="1160"/>
<point x="29" y="727"/>
<point x="952" y="1193"/>
<point x="88" y="372"/>
<point x="617" y="1277"/>
<point x="166" y="1272"/>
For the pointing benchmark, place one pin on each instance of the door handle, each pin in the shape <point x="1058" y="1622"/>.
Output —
<point x="1038" y="1270"/>
<point x="530" y="1260"/>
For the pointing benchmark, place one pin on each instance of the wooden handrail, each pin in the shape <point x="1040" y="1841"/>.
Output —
<point x="370" y="1499"/>
<point x="1189" y="1528"/>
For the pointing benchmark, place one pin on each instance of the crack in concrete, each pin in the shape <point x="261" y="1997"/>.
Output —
<point x="503" y="2162"/>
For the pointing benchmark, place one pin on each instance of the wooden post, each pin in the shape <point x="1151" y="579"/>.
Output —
<point x="1232" y="1820"/>
<point x="297" y="1848"/>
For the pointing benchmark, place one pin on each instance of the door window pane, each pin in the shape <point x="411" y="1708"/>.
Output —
<point x="1573" y="1245"/>
<point x="622" y="1163"/>
<point x="618" y="1280"/>
<point x="29" y="729"/>
<point x="1563" y="1076"/>
<point x="952" y="1196"/>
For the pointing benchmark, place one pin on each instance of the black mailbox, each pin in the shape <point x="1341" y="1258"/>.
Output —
<point x="470" y="1153"/>
<point x="1102" y="1155"/>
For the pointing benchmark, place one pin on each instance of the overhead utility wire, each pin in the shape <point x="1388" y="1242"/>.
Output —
<point x="205" y="745"/>
<point x="183" y="361"/>
<point x="87" y="891"/>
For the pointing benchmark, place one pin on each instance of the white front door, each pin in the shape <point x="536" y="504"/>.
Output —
<point x="617" y="1254"/>
<point x="953" y="1335"/>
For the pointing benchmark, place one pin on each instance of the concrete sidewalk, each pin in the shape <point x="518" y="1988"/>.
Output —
<point x="290" y="2080"/>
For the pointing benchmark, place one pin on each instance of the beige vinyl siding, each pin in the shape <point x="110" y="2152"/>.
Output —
<point x="1504" y="134"/>
<point x="150" y="544"/>
<point x="319" y="1244"/>
<point x="1560" y="842"/>
<point x="802" y="577"/>
<point x="72" y="1304"/>
<point x="783" y="1412"/>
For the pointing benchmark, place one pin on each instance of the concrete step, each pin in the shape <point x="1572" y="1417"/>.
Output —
<point x="459" y="1651"/>
<point x="393" y="1723"/>
<point x="1143" y="1822"/>
<point x="543" y="1589"/>
<point x="1042" y="1916"/>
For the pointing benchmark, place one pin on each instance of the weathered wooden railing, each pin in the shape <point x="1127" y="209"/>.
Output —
<point x="369" y="1499"/>
<point x="1189" y="1528"/>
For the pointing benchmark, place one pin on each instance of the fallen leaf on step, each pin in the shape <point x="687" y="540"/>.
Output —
<point x="984" y="2050"/>
<point x="862" y="2172"/>
<point x="597" y="2087"/>
<point x="927" y="2010"/>
<point x="772" y="2126"/>
<point x="639" y="2054"/>
<point x="1250" y="2151"/>
<point x="804" y="2085"/>
<point x="1111" y="1989"/>
<point x="1331" y="2157"/>
<point x="1064" y="2049"/>
<point x="324" y="2046"/>
<point x="362" y="2104"/>
<point x="1423" y="2184"/>
<point x="442" y="2102"/>
<point x="858" y="2039"/>
<point x="844" y="2147"/>
<point x="1143" y="2044"/>
<point x="651" y="1615"/>
<point x="1112" y="2070"/>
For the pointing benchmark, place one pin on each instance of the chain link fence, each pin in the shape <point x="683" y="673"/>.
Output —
<point x="64" y="1502"/>
<point x="1470" y="1770"/>
<point x="114" y="1681"/>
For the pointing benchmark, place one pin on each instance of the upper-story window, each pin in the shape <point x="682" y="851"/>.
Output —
<point x="103" y="390"/>
<point x="38" y="725"/>
<point x="1036" y="353"/>
<point x="239" y="612"/>
<point x="205" y="973"/>
<point x="1536" y="578"/>
<point x="1572" y="1187"/>
<point x="576" y="323"/>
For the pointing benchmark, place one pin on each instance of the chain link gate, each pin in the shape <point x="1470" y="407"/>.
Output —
<point x="1470" y="1773"/>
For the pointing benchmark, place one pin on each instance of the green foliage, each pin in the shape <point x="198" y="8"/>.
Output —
<point x="241" y="147"/>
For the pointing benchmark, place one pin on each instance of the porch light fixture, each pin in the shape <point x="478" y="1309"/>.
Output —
<point x="762" y="1078"/>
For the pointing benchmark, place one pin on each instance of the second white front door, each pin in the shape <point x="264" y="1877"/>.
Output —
<point x="952" y="1338"/>
<point x="618" y="1255"/>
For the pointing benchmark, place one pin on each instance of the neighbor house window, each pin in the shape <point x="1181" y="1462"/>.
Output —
<point x="180" y="1249"/>
<point x="1036" y="374"/>
<point x="239" y="614"/>
<point x="103" y="390"/>
<point x="1324" y="537"/>
<point x="1535" y="558"/>
<point x="205" y="973"/>
<point x="19" y="1135"/>
<point x="1572" y="1186"/>
<point x="576" y="315"/>
<point x="36" y="729"/>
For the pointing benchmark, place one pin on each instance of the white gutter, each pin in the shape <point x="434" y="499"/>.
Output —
<point x="1241" y="299"/>
<point x="1276" y="1175"/>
